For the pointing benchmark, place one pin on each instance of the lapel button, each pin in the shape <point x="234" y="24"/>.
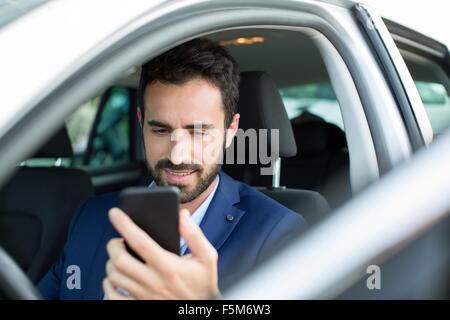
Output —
<point x="230" y="217"/>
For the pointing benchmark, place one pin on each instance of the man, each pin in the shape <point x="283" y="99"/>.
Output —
<point x="187" y="109"/>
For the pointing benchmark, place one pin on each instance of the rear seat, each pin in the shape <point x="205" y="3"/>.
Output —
<point x="261" y="107"/>
<point x="322" y="161"/>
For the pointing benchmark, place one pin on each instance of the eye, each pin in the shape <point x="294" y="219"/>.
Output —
<point x="160" y="131"/>
<point x="200" y="133"/>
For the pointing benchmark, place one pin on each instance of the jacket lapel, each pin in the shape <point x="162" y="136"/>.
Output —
<point x="222" y="216"/>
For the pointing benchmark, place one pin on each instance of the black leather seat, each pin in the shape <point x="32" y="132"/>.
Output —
<point x="261" y="107"/>
<point x="36" y="207"/>
<point x="322" y="160"/>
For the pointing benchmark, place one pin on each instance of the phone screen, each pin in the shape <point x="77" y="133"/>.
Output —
<point x="156" y="212"/>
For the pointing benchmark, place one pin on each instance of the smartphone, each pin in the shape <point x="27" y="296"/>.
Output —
<point x="156" y="212"/>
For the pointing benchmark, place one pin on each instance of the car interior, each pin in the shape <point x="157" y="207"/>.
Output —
<point x="285" y="85"/>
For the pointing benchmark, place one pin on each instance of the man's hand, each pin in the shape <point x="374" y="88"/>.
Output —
<point x="164" y="275"/>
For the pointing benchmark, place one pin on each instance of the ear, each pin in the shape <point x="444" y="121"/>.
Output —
<point x="139" y="116"/>
<point x="232" y="129"/>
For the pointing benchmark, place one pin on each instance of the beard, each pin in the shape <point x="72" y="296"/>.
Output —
<point x="205" y="175"/>
<point x="187" y="193"/>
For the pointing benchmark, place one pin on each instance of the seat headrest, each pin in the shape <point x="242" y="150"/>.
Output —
<point x="316" y="137"/>
<point x="59" y="146"/>
<point x="261" y="107"/>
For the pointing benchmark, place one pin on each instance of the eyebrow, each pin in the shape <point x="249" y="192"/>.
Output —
<point x="199" y="125"/>
<point x="155" y="123"/>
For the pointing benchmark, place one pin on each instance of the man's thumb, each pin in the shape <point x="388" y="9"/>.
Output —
<point x="195" y="239"/>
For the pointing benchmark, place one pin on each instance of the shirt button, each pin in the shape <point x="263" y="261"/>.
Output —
<point x="230" y="217"/>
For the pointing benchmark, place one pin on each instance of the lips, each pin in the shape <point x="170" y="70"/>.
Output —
<point x="179" y="176"/>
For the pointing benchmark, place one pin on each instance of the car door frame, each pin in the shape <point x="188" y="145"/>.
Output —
<point x="380" y="36"/>
<point x="412" y="42"/>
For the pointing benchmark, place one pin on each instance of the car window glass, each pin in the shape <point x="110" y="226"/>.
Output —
<point x="79" y="125"/>
<point x="98" y="140"/>
<point x="317" y="99"/>
<point x="111" y="143"/>
<point x="437" y="104"/>
<point x="433" y="85"/>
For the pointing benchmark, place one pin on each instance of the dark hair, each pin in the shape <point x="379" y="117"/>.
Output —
<point x="196" y="58"/>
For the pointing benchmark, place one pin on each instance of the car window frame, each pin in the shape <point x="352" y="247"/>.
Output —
<point x="395" y="72"/>
<point x="411" y="42"/>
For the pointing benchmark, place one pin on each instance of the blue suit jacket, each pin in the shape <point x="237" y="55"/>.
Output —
<point x="259" y="225"/>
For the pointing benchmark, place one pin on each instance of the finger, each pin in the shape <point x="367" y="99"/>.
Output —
<point x="196" y="240"/>
<point x="125" y="263"/>
<point x="111" y="293"/>
<point x="120" y="280"/>
<point x="137" y="239"/>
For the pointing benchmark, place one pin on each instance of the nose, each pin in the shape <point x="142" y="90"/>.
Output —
<point x="181" y="150"/>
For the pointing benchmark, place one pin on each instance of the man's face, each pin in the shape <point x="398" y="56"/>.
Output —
<point x="184" y="134"/>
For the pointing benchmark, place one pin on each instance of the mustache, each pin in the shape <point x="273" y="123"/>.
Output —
<point x="167" y="164"/>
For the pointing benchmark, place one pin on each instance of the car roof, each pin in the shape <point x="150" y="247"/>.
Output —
<point x="289" y="57"/>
